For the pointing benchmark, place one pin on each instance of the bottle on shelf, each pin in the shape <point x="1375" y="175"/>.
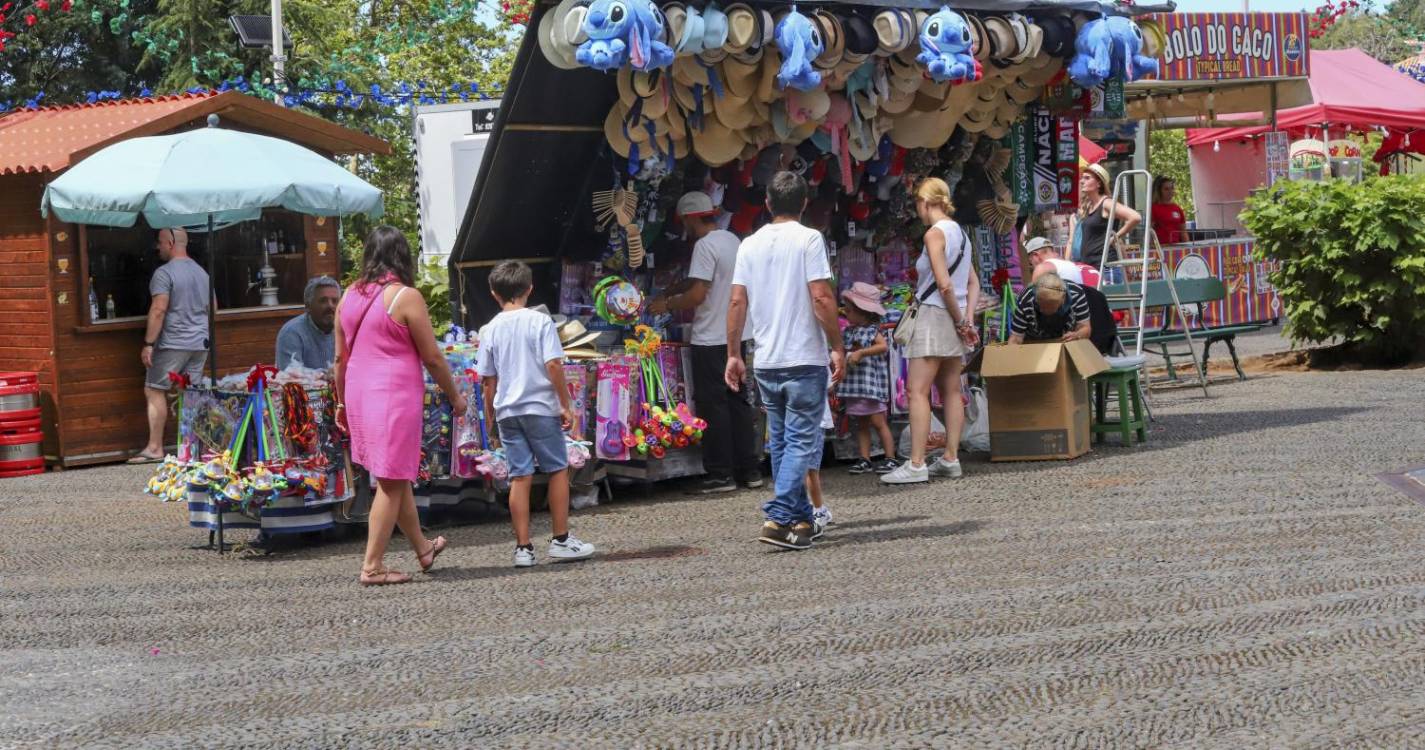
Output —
<point x="110" y="310"/>
<point x="93" y="301"/>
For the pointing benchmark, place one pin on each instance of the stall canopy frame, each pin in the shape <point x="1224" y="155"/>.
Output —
<point x="547" y="153"/>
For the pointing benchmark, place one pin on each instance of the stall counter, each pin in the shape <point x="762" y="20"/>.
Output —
<point x="1251" y="298"/>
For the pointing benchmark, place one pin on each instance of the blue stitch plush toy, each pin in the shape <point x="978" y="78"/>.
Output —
<point x="624" y="30"/>
<point x="1109" y="47"/>
<point x="800" y="43"/>
<point x="945" y="48"/>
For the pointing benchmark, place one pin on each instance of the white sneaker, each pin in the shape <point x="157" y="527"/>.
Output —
<point x="943" y="468"/>
<point x="822" y="515"/>
<point x="570" y="549"/>
<point x="907" y="474"/>
<point x="524" y="558"/>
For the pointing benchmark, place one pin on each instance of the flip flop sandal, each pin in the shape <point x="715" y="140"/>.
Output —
<point x="427" y="560"/>
<point x="144" y="459"/>
<point x="383" y="578"/>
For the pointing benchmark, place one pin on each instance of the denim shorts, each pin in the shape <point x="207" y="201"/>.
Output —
<point x="531" y="439"/>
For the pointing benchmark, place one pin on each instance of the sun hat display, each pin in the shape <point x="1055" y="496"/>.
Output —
<point x="1003" y="44"/>
<point x="866" y="297"/>
<point x="860" y="38"/>
<point x="716" y="144"/>
<point x="614" y="131"/>
<point x="981" y="37"/>
<point x="767" y="91"/>
<point x="903" y="72"/>
<point x="735" y="112"/>
<point x="743" y="27"/>
<point x="572" y="333"/>
<point x="740" y="78"/>
<point x="645" y="90"/>
<point x="714" y="33"/>
<point x="561" y="32"/>
<point x="833" y="40"/>
<point x="895" y="31"/>
<point x="1058" y="32"/>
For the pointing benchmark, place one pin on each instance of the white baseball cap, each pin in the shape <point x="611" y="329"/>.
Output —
<point x="696" y="203"/>
<point x="1036" y="244"/>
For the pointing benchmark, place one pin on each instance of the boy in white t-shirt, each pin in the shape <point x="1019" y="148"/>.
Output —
<point x="521" y="363"/>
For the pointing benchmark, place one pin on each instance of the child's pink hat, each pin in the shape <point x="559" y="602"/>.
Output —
<point x="866" y="297"/>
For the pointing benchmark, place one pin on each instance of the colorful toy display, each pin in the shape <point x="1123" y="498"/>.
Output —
<point x="1109" y="47"/>
<point x="800" y="43"/>
<point x="946" y="48"/>
<point x="624" y="30"/>
<point x="617" y="300"/>
<point x="661" y="425"/>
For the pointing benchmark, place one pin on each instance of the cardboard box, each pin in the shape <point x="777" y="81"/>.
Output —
<point x="1038" y="399"/>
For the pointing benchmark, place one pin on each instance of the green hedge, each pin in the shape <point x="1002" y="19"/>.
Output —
<point x="1352" y="261"/>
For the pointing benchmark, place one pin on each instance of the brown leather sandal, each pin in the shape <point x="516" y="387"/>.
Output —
<point x="427" y="559"/>
<point x="383" y="577"/>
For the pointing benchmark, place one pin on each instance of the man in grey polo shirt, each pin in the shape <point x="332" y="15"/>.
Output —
<point x="176" y="339"/>
<point x="307" y="338"/>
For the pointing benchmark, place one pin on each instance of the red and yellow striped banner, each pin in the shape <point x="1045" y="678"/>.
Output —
<point x="1232" y="46"/>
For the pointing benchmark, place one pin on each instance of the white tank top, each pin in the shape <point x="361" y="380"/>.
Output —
<point x="955" y="243"/>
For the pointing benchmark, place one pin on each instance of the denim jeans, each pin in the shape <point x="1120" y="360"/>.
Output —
<point x="795" y="398"/>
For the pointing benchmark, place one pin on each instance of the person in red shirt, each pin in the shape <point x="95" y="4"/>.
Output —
<point x="1168" y="217"/>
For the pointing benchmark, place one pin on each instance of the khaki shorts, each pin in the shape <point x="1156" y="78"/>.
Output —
<point x="935" y="335"/>
<point x="173" y="360"/>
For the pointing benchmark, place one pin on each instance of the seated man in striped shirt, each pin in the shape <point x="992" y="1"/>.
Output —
<point x="1050" y="310"/>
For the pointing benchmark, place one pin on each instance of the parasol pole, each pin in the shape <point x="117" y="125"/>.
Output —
<point x="212" y="306"/>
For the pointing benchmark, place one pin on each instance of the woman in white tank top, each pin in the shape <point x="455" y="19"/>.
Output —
<point x="944" y="333"/>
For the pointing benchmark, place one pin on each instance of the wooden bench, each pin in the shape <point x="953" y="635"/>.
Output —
<point x="1197" y="292"/>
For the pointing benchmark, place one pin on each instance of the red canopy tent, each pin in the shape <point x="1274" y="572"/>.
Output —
<point x="1090" y="152"/>
<point x="1350" y="90"/>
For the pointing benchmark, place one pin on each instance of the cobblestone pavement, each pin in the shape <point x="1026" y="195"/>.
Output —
<point x="1243" y="581"/>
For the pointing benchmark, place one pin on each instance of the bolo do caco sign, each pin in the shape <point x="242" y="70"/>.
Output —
<point x="1225" y="46"/>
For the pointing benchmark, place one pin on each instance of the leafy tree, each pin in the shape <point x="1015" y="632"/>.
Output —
<point x="1168" y="156"/>
<point x="1374" y="34"/>
<point x="66" y="55"/>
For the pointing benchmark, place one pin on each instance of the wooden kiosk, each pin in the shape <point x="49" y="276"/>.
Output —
<point x="73" y="298"/>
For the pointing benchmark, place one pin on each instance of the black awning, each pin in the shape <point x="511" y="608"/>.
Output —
<point x="547" y="151"/>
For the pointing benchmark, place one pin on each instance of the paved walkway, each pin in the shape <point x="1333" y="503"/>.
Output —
<point x="1244" y="581"/>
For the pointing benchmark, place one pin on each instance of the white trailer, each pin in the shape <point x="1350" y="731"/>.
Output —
<point x="449" y="144"/>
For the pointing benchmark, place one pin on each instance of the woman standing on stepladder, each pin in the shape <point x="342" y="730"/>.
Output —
<point x="383" y="336"/>
<point x="944" y="333"/>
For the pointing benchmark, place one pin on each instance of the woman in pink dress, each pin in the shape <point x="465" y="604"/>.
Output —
<point x="383" y="336"/>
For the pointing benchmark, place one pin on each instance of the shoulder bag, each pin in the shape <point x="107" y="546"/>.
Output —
<point x="905" y="327"/>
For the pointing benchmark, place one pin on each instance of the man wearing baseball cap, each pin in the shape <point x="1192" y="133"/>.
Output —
<point x="730" y="444"/>
<point x="1045" y="258"/>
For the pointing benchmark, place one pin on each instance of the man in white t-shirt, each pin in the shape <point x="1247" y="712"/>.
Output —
<point x="729" y="443"/>
<point x="782" y="284"/>
<point x="1045" y="258"/>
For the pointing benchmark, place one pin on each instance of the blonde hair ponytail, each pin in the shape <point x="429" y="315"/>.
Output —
<point x="934" y="192"/>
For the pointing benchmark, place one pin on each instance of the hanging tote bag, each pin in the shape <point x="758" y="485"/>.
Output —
<point x="905" y="327"/>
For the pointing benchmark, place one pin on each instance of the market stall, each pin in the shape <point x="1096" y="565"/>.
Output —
<point x="604" y="124"/>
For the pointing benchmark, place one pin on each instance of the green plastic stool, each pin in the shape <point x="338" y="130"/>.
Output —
<point x="1125" y="381"/>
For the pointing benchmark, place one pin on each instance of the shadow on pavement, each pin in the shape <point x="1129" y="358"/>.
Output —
<point x="834" y="537"/>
